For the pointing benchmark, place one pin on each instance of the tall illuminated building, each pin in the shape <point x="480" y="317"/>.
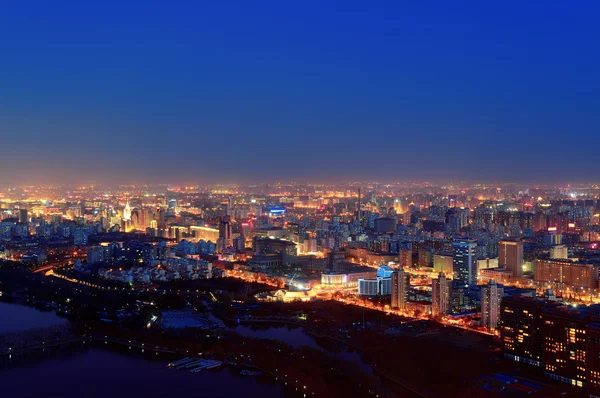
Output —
<point x="225" y="233"/>
<point x="520" y="330"/>
<point x="491" y="298"/>
<point x="565" y="348"/>
<point x="464" y="262"/>
<point x="127" y="211"/>
<point x="441" y="295"/>
<point x="510" y="256"/>
<point x="160" y="218"/>
<point x="593" y="359"/>
<point x="400" y="287"/>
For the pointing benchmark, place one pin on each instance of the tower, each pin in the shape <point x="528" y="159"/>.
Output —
<point x="127" y="211"/>
<point x="464" y="264"/>
<point x="225" y="233"/>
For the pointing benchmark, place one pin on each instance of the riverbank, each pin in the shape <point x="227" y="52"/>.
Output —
<point x="97" y="372"/>
<point x="418" y="392"/>
<point x="295" y="368"/>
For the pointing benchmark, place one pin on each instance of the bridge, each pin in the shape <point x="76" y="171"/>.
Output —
<point x="55" y="336"/>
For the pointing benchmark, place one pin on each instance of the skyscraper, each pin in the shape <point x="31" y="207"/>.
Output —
<point x="510" y="256"/>
<point x="441" y="294"/>
<point x="400" y="286"/>
<point x="127" y="211"/>
<point x="491" y="298"/>
<point x="464" y="264"/>
<point x="23" y="217"/>
<point x="521" y="328"/>
<point x="225" y="233"/>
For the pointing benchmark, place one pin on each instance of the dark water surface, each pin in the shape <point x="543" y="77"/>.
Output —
<point x="81" y="370"/>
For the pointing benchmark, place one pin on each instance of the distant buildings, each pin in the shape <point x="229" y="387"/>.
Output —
<point x="349" y="278"/>
<point x="273" y="253"/>
<point x="443" y="263"/>
<point x="426" y="255"/>
<point x="287" y="296"/>
<point x="559" y="252"/>
<point x="563" y="274"/>
<point x="80" y="237"/>
<point x="98" y="254"/>
<point x="204" y="233"/>
<point x="406" y="257"/>
<point x="385" y="225"/>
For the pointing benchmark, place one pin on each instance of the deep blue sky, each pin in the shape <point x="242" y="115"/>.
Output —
<point x="189" y="91"/>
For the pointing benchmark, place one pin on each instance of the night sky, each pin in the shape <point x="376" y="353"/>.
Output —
<point x="199" y="91"/>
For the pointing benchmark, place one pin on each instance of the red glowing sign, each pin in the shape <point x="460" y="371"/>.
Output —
<point x="551" y="229"/>
<point x="571" y="225"/>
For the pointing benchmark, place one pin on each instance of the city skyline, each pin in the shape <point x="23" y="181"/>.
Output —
<point x="122" y="93"/>
<point x="396" y="270"/>
<point x="299" y="199"/>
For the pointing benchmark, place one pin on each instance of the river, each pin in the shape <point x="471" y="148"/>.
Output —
<point x="94" y="371"/>
<point x="122" y="371"/>
<point x="16" y="317"/>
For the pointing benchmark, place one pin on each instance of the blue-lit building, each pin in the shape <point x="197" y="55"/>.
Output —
<point x="464" y="262"/>
<point x="277" y="211"/>
<point x="380" y="286"/>
<point x="384" y="272"/>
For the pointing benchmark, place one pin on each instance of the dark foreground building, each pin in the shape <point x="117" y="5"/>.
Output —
<point x="565" y="341"/>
